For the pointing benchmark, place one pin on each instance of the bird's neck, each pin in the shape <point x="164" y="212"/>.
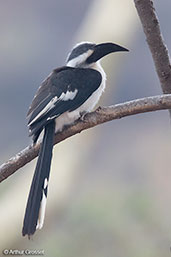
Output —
<point x="97" y="66"/>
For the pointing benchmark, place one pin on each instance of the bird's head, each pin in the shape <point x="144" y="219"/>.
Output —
<point x="85" y="54"/>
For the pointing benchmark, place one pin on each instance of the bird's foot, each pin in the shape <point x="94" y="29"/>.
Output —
<point x="99" y="108"/>
<point x="82" y="117"/>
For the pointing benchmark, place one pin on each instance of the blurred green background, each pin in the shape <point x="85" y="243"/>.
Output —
<point x="110" y="186"/>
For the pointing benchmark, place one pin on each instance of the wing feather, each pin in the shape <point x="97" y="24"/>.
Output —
<point x="65" y="89"/>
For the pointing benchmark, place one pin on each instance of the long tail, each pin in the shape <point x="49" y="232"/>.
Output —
<point x="35" y="210"/>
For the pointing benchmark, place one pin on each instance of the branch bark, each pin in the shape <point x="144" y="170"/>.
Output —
<point x="159" y="51"/>
<point x="101" y="115"/>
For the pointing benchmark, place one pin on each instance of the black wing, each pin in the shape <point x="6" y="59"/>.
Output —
<point x="51" y="98"/>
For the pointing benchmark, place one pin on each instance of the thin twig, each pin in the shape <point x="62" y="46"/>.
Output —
<point x="95" y="118"/>
<point x="159" y="51"/>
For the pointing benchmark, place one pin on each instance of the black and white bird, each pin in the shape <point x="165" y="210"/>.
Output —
<point x="63" y="97"/>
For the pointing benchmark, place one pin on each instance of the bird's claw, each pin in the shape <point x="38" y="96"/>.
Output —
<point x="82" y="117"/>
<point x="99" y="108"/>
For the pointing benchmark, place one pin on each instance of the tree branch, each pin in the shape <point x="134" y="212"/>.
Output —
<point x="101" y="115"/>
<point x="159" y="51"/>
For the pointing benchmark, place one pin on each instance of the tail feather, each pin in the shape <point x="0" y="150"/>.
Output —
<point x="35" y="210"/>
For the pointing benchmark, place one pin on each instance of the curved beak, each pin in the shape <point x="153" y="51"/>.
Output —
<point x="104" y="49"/>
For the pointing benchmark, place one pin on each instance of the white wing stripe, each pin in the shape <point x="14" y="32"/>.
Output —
<point x="69" y="95"/>
<point x="49" y="106"/>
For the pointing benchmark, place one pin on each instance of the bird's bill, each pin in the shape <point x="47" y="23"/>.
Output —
<point x="104" y="49"/>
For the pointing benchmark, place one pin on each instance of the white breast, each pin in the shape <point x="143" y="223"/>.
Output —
<point x="94" y="98"/>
